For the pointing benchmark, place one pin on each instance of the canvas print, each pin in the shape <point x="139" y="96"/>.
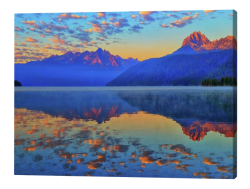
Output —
<point x="126" y="94"/>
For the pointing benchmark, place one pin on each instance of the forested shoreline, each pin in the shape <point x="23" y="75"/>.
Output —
<point x="224" y="81"/>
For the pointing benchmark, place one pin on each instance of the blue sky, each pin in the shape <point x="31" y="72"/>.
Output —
<point x="142" y="35"/>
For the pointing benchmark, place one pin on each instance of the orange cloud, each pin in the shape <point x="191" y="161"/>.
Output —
<point x="187" y="18"/>
<point x="101" y="14"/>
<point x="56" y="39"/>
<point x="208" y="11"/>
<point x="41" y="35"/>
<point x="164" y="26"/>
<point x="75" y="16"/>
<point x="35" y="45"/>
<point x="17" y="28"/>
<point x="97" y="28"/>
<point x="209" y="161"/>
<point x="37" y="57"/>
<point x="31" y="23"/>
<point x="117" y="24"/>
<point x="30" y="39"/>
<point x="178" y="23"/>
<point x="48" y="46"/>
<point x="146" y="159"/>
<point x="105" y="23"/>
<point x="18" y="56"/>
<point x="32" y="29"/>
<point x="196" y="15"/>
<point x="84" y="16"/>
<point x="59" y="47"/>
<point x="223" y="169"/>
<point x="133" y="16"/>
<point x="93" y="42"/>
<point x="48" y="31"/>
<point x="146" y="13"/>
<point x="67" y="16"/>
<point x="90" y="30"/>
<point x="62" y="15"/>
<point x="43" y="49"/>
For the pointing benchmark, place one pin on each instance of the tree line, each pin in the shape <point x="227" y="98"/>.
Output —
<point x="17" y="83"/>
<point x="224" y="81"/>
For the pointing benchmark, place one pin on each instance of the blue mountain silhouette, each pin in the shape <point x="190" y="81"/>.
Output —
<point x="73" y="69"/>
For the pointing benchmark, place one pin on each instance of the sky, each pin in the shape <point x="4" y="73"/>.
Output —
<point x="142" y="34"/>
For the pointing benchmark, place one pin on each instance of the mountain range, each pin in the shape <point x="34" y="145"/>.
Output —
<point x="73" y="69"/>
<point x="99" y="59"/>
<point x="198" y="58"/>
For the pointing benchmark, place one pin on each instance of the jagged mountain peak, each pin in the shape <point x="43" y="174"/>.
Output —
<point x="199" y="42"/>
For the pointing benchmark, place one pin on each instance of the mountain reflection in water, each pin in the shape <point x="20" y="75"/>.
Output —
<point x="152" y="133"/>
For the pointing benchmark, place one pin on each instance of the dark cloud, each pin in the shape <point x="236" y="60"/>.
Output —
<point x="186" y="13"/>
<point x="123" y="22"/>
<point x="52" y="26"/>
<point x="71" y="31"/>
<point x="19" y="15"/>
<point x="37" y="15"/>
<point x="82" y="36"/>
<point x="100" y="38"/>
<point x="136" y="28"/>
<point x="114" y="14"/>
<point x="117" y="30"/>
<point x="17" y="29"/>
<point x="149" y="18"/>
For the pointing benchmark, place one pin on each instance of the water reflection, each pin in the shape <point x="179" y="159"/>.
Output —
<point x="129" y="133"/>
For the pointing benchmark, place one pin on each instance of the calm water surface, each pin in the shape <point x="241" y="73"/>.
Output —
<point x="186" y="132"/>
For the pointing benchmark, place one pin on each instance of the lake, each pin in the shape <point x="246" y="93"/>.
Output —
<point x="173" y="132"/>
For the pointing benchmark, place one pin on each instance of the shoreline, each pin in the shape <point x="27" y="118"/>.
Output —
<point x="117" y="88"/>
